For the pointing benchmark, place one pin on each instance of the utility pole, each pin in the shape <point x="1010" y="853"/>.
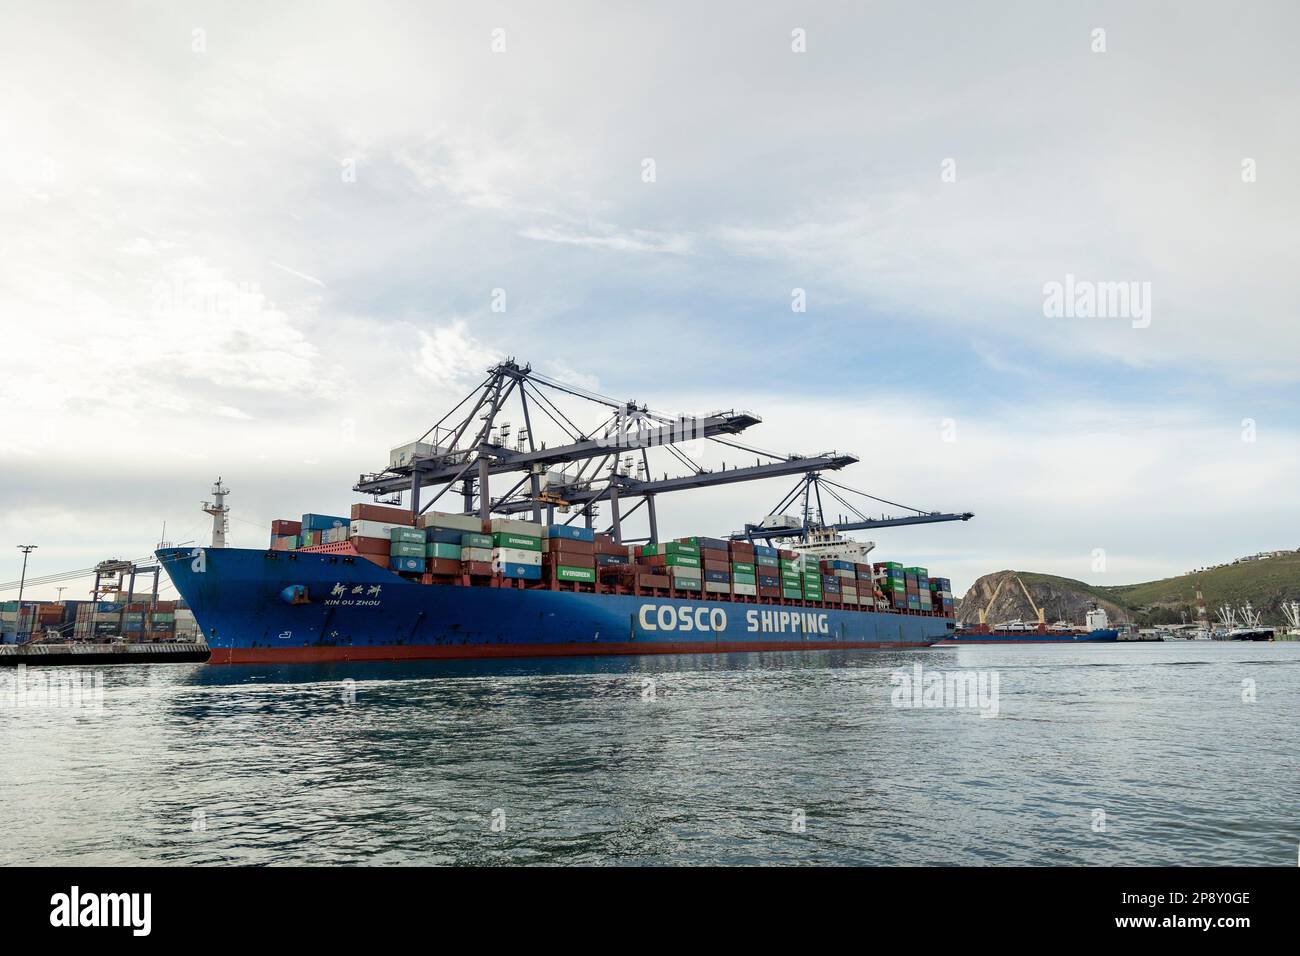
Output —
<point x="26" y="549"/>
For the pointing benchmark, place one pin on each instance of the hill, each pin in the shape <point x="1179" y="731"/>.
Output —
<point x="1266" y="584"/>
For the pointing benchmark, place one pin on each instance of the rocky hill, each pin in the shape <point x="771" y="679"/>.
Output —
<point x="1060" y="599"/>
<point x="1266" y="584"/>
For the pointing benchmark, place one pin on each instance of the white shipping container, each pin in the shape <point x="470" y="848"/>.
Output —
<point x="850" y="598"/>
<point x="516" y="556"/>
<point x="362" y="528"/>
<point x="749" y="590"/>
<point x="403" y="455"/>
<point x="516" y="527"/>
<point x="477" y="554"/>
<point x="450" y="522"/>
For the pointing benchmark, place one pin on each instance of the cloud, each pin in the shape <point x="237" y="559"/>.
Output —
<point x="284" y="249"/>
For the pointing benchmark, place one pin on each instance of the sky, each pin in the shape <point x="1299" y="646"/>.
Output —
<point x="266" y="241"/>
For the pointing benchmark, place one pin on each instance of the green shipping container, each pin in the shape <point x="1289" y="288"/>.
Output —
<point x="406" y="536"/>
<point x="403" y="549"/>
<point x="682" y="561"/>
<point x="763" y="561"/>
<point x="741" y="567"/>
<point x="566" y="573"/>
<point x="671" y="548"/>
<point x="693" y="542"/>
<point x="520" y="542"/>
<point x="793" y="594"/>
<point x="450" y="551"/>
<point x="472" y="540"/>
<point x="739" y="577"/>
<point x="687" y="584"/>
<point x="795" y="565"/>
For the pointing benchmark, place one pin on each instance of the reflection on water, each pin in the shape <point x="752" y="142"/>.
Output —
<point x="669" y="759"/>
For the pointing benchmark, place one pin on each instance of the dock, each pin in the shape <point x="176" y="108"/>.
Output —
<point x="51" y="655"/>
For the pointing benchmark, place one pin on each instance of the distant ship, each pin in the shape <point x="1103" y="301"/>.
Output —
<point x="1251" y="629"/>
<point x="1097" y="628"/>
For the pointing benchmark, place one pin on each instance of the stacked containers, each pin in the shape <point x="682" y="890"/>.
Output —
<point x="792" y="566"/>
<point x="372" y="538"/>
<point x="715" y="565"/>
<point x="316" y="527"/>
<point x="767" y="562"/>
<point x="678" y="560"/>
<point x="744" y="570"/>
<point x="284" y="534"/>
<point x="912" y="577"/>
<point x="893" y="583"/>
<point x="444" y="541"/>
<point x="569" y="554"/>
<point x="832" y="592"/>
<point x="476" y="553"/>
<point x="941" y="594"/>
<point x="866" y="585"/>
<point x="516" y="549"/>
<point x="406" y="551"/>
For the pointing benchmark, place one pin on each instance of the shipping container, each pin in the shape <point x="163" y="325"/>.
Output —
<point x="571" y="532"/>
<point x="517" y="542"/>
<point x="323" y="522"/>
<point x="566" y="572"/>
<point x="380" y="513"/>
<point x="516" y="556"/>
<point x="457" y="522"/>
<point x="511" y="569"/>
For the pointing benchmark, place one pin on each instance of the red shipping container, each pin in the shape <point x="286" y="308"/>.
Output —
<point x="743" y="550"/>
<point x="713" y="554"/>
<point x="653" y="580"/>
<point x="285" y="526"/>
<point x="444" y="566"/>
<point x="365" y="512"/>
<point x="769" y="592"/>
<point x="714" y="565"/>
<point x="477" y="568"/>
<point x="371" y="545"/>
<point x="570" y="548"/>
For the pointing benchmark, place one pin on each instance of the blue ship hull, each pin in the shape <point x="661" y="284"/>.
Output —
<point x="268" y="606"/>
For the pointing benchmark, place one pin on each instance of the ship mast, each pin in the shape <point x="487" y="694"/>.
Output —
<point x="219" y="511"/>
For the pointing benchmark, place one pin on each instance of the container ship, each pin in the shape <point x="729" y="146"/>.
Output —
<point x="392" y="582"/>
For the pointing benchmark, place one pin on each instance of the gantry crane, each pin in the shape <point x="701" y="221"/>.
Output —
<point x="606" y="464"/>
<point x="812" y="519"/>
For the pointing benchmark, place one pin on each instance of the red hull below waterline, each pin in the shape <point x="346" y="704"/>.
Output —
<point x="308" y="655"/>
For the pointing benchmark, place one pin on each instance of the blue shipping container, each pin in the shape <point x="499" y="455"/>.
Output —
<point x="323" y="522"/>
<point x="764" y="551"/>
<point x="443" y="535"/>
<point x="572" y="532"/>
<point x="604" y="559"/>
<point x="529" y="572"/>
<point x="398" y="563"/>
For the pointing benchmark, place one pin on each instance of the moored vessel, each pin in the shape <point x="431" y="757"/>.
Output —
<point x="389" y="583"/>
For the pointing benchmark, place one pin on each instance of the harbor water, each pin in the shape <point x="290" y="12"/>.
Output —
<point x="1104" y="754"/>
